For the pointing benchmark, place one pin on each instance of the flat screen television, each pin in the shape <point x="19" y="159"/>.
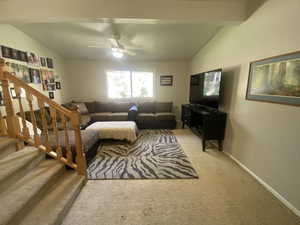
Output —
<point x="205" y="88"/>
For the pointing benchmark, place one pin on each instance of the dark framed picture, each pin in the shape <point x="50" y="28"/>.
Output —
<point x="13" y="93"/>
<point x="50" y="63"/>
<point x="275" y="79"/>
<point x="51" y="95"/>
<point x="35" y="76"/>
<point x="58" y="85"/>
<point x="43" y="61"/>
<point x="166" y="80"/>
<point x="15" y="54"/>
<point x="23" y="56"/>
<point x="1" y="99"/>
<point x="6" y="52"/>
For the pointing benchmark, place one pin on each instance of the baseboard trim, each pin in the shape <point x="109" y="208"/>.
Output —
<point x="267" y="186"/>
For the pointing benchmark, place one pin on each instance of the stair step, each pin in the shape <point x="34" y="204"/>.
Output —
<point x="17" y="164"/>
<point x="52" y="209"/>
<point x="7" y="146"/>
<point x="20" y="197"/>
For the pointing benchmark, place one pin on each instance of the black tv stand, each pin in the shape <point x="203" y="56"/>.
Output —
<point x="208" y="122"/>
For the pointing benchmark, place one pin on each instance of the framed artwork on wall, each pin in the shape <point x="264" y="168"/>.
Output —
<point x="275" y="79"/>
<point x="49" y="63"/>
<point x="58" y="85"/>
<point x="6" y="52"/>
<point x="51" y="95"/>
<point x="35" y="76"/>
<point x="23" y="56"/>
<point x="166" y="80"/>
<point x="1" y="99"/>
<point x="43" y="62"/>
<point x="15" y="54"/>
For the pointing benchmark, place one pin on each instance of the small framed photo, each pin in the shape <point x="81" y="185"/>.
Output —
<point x="33" y="59"/>
<point x="25" y="73"/>
<point x="23" y="56"/>
<point x="6" y="52"/>
<point x="58" y="85"/>
<point x="43" y="62"/>
<point x="51" y="87"/>
<point x="51" y="95"/>
<point x="13" y="93"/>
<point x="166" y="80"/>
<point x="1" y="99"/>
<point x="15" y="54"/>
<point x="35" y="76"/>
<point x="50" y="63"/>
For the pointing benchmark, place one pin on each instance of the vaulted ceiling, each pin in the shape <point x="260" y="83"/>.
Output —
<point x="154" y="30"/>
<point x="153" y="40"/>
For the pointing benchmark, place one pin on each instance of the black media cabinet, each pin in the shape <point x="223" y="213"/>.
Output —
<point x="208" y="122"/>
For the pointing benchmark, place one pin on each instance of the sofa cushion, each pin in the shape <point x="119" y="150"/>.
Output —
<point x="164" y="116"/>
<point x="85" y="120"/>
<point x="145" y="116"/>
<point x="118" y="116"/>
<point x="100" y="116"/>
<point x="82" y="108"/>
<point x="120" y="107"/>
<point x="103" y="107"/>
<point x="91" y="106"/>
<point x="163" y="107"/>
<point x="146" y="107"/>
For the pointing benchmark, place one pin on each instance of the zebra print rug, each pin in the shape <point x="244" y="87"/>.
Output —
<point x="156" y="154"/>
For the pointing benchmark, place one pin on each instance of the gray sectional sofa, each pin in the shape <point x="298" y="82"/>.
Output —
<point x="147" y="115"/>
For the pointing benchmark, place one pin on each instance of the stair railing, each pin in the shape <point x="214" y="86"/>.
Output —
<point x="16" y="126"/>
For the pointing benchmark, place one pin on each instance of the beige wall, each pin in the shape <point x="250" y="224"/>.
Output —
<point x="14" y="38"/>
<point x="87" y="79"/>
<point x="265" y="137"/>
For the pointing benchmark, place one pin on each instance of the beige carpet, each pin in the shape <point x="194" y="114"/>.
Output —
<point x="225" y="195"/>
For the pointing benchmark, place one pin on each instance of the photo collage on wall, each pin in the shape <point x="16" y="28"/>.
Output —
<point x="31" y="68"/>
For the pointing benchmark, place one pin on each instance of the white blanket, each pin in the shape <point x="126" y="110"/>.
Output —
<point x="119" y="130"/>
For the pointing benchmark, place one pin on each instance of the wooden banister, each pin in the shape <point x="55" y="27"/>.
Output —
<point x="73" y="156"/>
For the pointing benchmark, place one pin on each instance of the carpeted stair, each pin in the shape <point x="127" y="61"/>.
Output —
<point x="34" y="190"/>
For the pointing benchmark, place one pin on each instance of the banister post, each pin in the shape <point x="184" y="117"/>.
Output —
<point x="80" y="155"/>
<point x="13" y="126"/>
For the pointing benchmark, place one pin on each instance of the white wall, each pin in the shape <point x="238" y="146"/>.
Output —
<point x="14" y="38"/>
<point x="265" y="137"/>
<point x="87" y="79"/>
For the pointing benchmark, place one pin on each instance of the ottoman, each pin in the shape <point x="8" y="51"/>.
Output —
<point x="117" y="130"/>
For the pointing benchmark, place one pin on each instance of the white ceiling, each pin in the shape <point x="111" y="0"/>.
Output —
<point x="151" y="39"/>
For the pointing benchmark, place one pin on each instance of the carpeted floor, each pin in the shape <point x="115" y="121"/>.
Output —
<point x="224" y="195"/>
<point x="156" y="154"/>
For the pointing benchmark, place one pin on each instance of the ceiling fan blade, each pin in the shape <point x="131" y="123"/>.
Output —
<point x="96" y="46"/>
<point x="128" y="52"/>
<point x="114" y="43"/>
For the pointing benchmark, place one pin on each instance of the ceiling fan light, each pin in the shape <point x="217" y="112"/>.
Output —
<point x="117" y="54"/>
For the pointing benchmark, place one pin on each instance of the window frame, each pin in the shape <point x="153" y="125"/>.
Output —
<point x="131" y="84"/>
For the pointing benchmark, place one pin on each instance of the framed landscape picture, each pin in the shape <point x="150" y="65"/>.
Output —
<point x="275" y="79"/>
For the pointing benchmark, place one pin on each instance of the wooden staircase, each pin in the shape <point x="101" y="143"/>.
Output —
<point x="35" y="189"/>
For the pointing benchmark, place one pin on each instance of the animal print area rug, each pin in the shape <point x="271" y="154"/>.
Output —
<point x="156" y="154"/>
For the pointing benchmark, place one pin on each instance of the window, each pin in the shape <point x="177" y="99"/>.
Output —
<point x="128" y="84"/>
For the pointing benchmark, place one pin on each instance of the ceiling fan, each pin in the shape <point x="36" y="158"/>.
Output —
<point x="118" y="50"/>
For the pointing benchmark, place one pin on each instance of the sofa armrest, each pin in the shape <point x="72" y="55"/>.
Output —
<point x="132" y="113"/>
